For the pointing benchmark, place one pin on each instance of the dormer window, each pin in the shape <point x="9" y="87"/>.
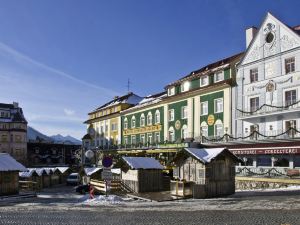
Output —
<point x="171" y="91"/>
<point x="203" y="81"/>
<point x="185" y="86"/>
<point x="219" y="76"/>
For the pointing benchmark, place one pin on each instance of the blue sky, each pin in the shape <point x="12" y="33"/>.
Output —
<point x="61" y="59"/>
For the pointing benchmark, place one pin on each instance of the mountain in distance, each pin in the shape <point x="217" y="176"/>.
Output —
<point x="34" y="135"/>
<point x="65" y="139"/>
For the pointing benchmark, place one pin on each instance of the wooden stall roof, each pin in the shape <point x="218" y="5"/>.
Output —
<point x="206" y="155"/>
<point x="91" y="170"/>
<point x="142" y="163"/>
<point x="8" y="163"/>
<point x="29" y="173"/>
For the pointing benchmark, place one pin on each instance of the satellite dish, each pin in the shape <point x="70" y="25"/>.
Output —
<point x="89" y="154"/>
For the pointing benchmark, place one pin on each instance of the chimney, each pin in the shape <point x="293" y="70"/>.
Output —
<point x="16" y="105"/>
<point x="250" y="33"/>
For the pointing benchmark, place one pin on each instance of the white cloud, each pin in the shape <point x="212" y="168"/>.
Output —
<point x="69" y="112"/>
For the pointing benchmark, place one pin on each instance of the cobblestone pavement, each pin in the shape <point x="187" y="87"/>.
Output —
<point x="102" y="216"/>
<point x="63" y="206"/>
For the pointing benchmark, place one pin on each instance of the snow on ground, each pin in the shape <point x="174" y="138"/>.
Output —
<point x="102" y="200"/>
<point x="290" y="188"/>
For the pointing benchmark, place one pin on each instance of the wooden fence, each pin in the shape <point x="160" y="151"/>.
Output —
<point x="28" y="186"/>
<point x="112" y="186"/>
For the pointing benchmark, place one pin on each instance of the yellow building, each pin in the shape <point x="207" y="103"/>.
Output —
<point x="104" y="123"/>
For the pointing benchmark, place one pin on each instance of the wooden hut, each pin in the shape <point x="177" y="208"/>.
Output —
<point x="55" y="175"/>
<point x="9" y="174"/>
<point x="142" y="174"/>
<point x="91" y="173"/>
<point x="204" y="173"/>
<point x="64" y="173"/>
<point x="30" y="179"/>
<point x="43" y="178"/>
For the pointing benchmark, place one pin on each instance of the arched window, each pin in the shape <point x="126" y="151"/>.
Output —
<point x="184" y="132"/>
<point x="171" y="134"/>
<point x="204" y="129"/>
<point x="125" y="125"/>
<point x="157" y="117"/>
<point x="142" y="120"/>
<point x="149" y="118"/>
<point x="219" y="130"/>
<point x="133" y="122"/>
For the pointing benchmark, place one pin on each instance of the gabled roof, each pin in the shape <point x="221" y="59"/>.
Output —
<point x="8" y="163"/>
<point x="206" y="155"/>
<point x="213" y="67"/>
<point x="28" y="173"/>
<point x="142" y="163"/>
<point x="63" y="169"/>
<point x="130" y="98"/>
<point x="295" y="29"/>
<point x="147" y="101"/>
<point x="92" y="170"/>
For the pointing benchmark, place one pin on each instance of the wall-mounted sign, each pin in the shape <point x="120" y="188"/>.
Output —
<point x="210" y="120"/>
<point x="267" y="151"/>
<point x="140" y="130"/>
<point x="177" y="125"/>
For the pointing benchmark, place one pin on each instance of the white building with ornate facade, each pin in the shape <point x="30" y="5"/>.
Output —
<point x="267" y="94"/>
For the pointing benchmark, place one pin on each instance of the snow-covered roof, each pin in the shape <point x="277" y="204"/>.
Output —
<point x="8" y="163"/>
<point x="62" y="169"/>
<point x="90" y="171"/>
<point x="149" y="100"/>
<point x="142" y="163"/>
<point x="39" y="171"/>
<point x="28" y="173"/>
<point x="205" y="155"/>
<point x="116" y="171"/>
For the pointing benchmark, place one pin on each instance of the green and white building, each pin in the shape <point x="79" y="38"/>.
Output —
<point x="200" y="103"/>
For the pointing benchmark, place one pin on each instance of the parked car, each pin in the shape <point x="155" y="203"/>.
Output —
<point x="73" y="179"/>
<point x="82" y="189"/>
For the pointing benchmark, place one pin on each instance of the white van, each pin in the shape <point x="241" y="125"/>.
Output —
<point x="73" y="179"/>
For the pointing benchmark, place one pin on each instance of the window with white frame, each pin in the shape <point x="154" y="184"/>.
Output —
<point x="219" y="129"/>
<point x="126" y="140"/>
<point x="133" y="139"/>
<point x="149" y="138"/>
<point x="157" y="137"/>
<point x="219" y="76"/>
<point x="204" y="108"/>
<point x="254" y="104"/>
<point x="157" y="117"/>
<point x="253" y="75"/>
<point x="184" y="132"/>
<point x="290" y="97"/>
<point x="204" y="130"/>
<point x="218" y="105"/>
<point x="171" y="91"/>
<point x="185" y="86"/>
<point x="171" y="115"/>
<point x="289" y="65"/>
<point x="142" y="120"/>
<point x="142" y="138"/>
<point x="149" y="118"/>
<point x="184" y="112"/>
<point x="171" y="134"/>
<point x="133" y="122"/>
<point x="203" y="81"/>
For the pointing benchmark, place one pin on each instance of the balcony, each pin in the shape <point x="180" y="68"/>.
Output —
<point x="264" y="136"/>
<point x="287" y="110"/>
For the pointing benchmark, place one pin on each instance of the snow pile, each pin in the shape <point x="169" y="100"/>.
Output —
<point x="102" y="200"/>
<point x="289" y="188"/>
